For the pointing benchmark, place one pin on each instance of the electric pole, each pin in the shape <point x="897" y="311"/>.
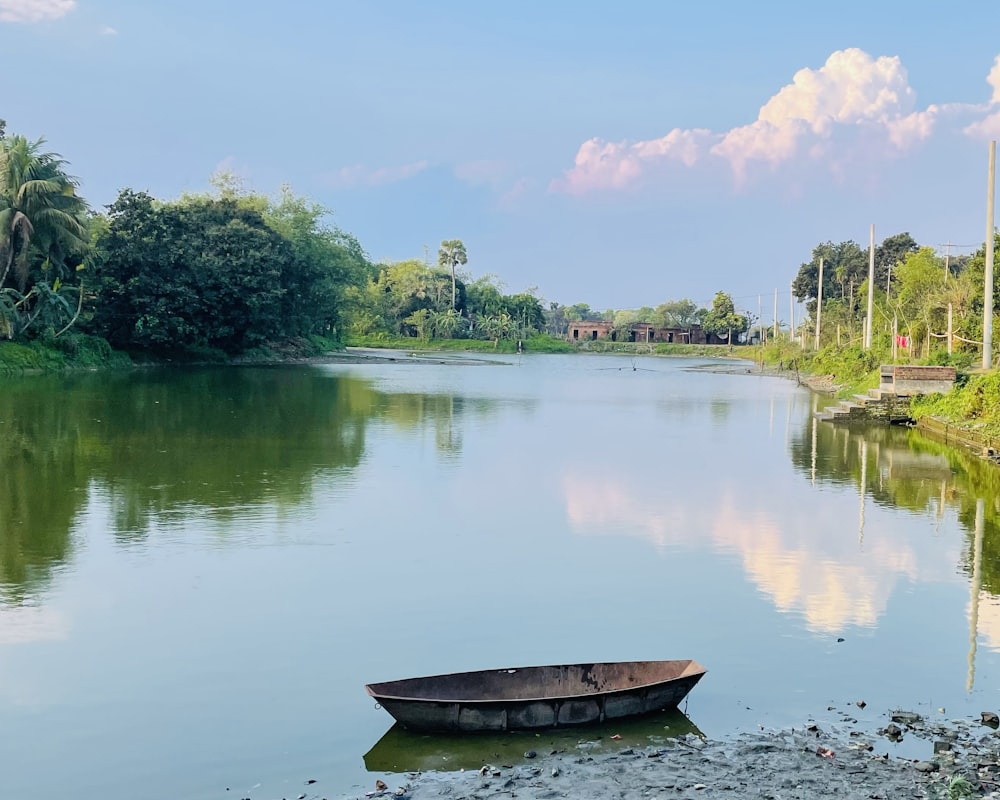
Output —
<point x="791" y="311"/>
<point x="819" y="300"/>
<point x="776" y="314"/>
<point x="871" y="289"/>
<point x="988" y="288"/>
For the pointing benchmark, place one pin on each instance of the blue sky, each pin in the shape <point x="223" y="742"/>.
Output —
<point x="618" y="154"/>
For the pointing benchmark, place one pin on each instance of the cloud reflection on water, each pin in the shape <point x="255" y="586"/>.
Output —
<point x="834" y="555"/>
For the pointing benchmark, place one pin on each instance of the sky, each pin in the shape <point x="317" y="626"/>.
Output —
<point x="617" y="154"/>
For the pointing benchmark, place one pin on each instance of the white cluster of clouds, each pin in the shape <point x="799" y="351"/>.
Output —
<point x="34" y="10"/>
<point x="617" y="164"/>
<point x="989" y="127"/>
<point x="852" y="94"/>
<point x="360" y="175"/>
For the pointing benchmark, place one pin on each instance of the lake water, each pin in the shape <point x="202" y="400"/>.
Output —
<point x="200" y="569"/>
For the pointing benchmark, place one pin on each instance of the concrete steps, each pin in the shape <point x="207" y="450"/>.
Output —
<point x="875" y="406"/>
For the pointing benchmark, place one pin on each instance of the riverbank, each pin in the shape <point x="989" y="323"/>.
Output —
<point x="958" y="759"/>
<point x="825" y="384"/>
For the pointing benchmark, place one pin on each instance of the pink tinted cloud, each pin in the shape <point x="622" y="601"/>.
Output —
<point x="852" y="95"/>
<point x="614" y="165"/>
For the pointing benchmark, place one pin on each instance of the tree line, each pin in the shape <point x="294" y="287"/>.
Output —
<point x="934" y="303"/>
<point x="233" y="270"/>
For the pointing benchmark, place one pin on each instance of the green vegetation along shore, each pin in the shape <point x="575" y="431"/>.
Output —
<point x="232" y="275"/>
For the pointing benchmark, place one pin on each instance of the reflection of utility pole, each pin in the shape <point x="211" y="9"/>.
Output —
<point x="864" y="486"/>
<point x="812" y="468"/>
<point x="977" y="579"/>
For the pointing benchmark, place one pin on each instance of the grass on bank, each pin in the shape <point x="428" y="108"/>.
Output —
<point x="81" y="351"/>
<point x="72" y="351"/>
<point x="541" y="343"/>
<point x="974" y="404"/>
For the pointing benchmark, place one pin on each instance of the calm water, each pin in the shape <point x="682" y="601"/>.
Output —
<point x="200" y="569"/>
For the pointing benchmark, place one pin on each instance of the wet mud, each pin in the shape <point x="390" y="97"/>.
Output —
<point x="957" y="759"/>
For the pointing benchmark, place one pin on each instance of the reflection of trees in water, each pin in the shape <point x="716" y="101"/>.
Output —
<point x="443" y="413"/>
<point x="905" y="469"/>
<point x="164" y="443"/>
<point x="42" y="485"/>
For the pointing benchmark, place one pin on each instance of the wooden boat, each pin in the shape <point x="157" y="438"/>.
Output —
<point x="526" y="698"/>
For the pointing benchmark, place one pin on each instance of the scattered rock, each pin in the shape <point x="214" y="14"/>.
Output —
<point x="860" y="703"/>
<point x="893" y="732"/>
<point x="906" y="717"/>
<point x="530" y="754"/>
<point x="990" y="718"/>
<point x="942" y="746"/>
<point x="927" y="766"/>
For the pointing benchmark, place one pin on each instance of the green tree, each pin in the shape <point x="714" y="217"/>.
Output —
<point x="200" y="273"/>
<point x="845" y="267"/>
<point x="43" y="236"/>
<point x="450" y="255"/>
<point x="892" y="252"/>
<point x="420" y="322"/>
<point x="920" y="293"/>
<point x="526" y="311"/>
<point x="723" y="321"/>
<point x="676" y="314"/>
<point x="403" y="287"/>
<point x="326" y="263"/>
<point x="446" y="324"/>
<point x="484" y="296"/>
<point x="579" y="312"/>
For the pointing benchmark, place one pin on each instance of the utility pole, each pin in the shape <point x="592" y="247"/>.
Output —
<point x="947" y="259"/>
<point x="988" y="290"/>
<point x="871" y="289"/>
<point x="819" y="300"/>
<point x="791" y="311"/>
<point x="951" y="330"/>
<point x="760" y="321"/>
<point x="776" y="314"/>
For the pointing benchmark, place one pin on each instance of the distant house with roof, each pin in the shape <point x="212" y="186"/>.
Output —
<point x="644" y="332"/>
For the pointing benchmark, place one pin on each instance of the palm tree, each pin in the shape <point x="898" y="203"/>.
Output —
<point x="446" y="323"/>
<point x="451" y="254"/>
<point x="42" y="219"/>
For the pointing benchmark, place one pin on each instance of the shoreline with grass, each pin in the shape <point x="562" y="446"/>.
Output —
<point x="972" y="407"/>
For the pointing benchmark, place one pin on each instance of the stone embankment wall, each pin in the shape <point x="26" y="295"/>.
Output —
<point x="979" y="443"/>
<point x="888" y="409"/>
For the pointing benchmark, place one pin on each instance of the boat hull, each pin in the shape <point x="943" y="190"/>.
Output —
<point x="533" y="698"/>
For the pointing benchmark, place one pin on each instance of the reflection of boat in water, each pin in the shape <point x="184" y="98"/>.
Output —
<point x="400" y="750"/>
<point x="530" y="698"/>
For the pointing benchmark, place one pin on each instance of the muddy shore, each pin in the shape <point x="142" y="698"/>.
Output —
<point x="962" y="759"/>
